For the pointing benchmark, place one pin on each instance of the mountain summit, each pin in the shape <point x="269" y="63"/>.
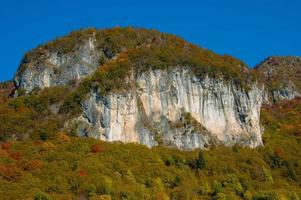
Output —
<point x="143" y="86"/>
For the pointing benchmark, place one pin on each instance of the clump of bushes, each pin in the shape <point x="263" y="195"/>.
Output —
<point x="97" y="148"/>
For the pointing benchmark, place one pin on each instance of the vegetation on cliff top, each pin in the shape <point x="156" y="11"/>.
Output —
<point x="138" y="50"/>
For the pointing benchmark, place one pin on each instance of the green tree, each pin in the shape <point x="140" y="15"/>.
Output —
<point x="200" y="163"/>
<point x="267" y="175"/>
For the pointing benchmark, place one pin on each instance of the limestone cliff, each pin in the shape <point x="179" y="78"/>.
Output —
<point x="53" y="68"/>
<point x="154" y="111"/>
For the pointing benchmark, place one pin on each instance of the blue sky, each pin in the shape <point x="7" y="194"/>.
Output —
<point x="249" y="30"/>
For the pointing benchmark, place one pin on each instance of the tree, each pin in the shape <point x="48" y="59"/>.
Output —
<point x="200" y="163"/>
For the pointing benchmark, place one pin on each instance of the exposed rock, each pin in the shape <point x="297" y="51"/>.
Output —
<point x="148" y="113"/>
<point x="288" y="92"/>
<point x="282" y="75"/>
<point x="55" y="69"/>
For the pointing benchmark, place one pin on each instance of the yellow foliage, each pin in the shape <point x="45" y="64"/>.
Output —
<point x="63" y="137"/>
<point x="47" y="146"/>
<point x="101" y="197"/>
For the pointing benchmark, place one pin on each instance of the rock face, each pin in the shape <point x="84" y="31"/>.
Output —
<point x="176" y="108"/>
<point x="53" y="69"/>
<point x="288" y="92"/>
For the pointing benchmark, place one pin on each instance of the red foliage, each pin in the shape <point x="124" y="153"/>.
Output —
<point x="31" y="165"/>
<point x="279" y="152"/>
<point x="97" y="148"/>
<point x="82" y="172"/>
<point x="10" y="172"/>
<point x="6" y="89"/>
<point x="15" y="155"/>
<point x="6" y="146"/>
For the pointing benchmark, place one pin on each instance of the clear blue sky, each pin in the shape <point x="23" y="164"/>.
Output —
<point x="250" y="30"/>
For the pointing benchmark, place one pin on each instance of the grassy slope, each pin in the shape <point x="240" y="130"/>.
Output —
<point x="65" y="167"/>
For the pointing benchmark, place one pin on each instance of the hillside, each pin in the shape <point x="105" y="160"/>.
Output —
<point x="66" y="167"/>
<point x="282" y="75"/>
<point x="129" y="113"/>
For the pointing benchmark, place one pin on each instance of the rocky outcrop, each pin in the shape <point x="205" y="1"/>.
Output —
<point x="287" y="92"/>
<point x="54" y="69"/>
<point x="157" y="108"/>
<point x="282" y="77"/>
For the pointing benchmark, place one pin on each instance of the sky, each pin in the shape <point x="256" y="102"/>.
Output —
<point x="250" y="30"/>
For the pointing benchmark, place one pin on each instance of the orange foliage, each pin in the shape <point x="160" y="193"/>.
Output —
<point x="46" y="146"/>
<point x="279" y="152"/>
<point x="63" y="137"/>
<point x="97" y="148"/>
<point x="6" y="146"/>
<point x="10" y="172"/>
<point x="31" y="165"/>
<point x="15" y="155"/>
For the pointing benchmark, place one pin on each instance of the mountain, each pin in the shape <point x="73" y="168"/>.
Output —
<point x="143" y="86"/>
<point x="136" y="85"/>
<point x="282" y="76"/>
<point x="84" y="108"/>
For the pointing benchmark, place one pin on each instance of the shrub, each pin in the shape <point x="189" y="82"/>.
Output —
<point x="267" y="175"/>
<point x="220" y="196"/>
<point x="100" y="197"/>
<point x="6" y="146"/>
<point x="42" y="196"/>
<point x="290" y="171"/>
<point x="104" y="185"/>
<point x="97" y="148"/>
<point x="216" y="187"/>
<point x="200" y="163"/>
<point x="43" y="135"/>
<point x="31" y="165"/>
<point x="10" y="173"/>
<point x="63" y="137"/>
<point x="264" y="195"/>
<point x="292" y="196"/>
<point x="205" y="189"/>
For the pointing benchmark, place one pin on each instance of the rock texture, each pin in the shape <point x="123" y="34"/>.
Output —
<point x="282" y="75"/>
<point x="53" y="69"/>
<point x="156" y="110"/>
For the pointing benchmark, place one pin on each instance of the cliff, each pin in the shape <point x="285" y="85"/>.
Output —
<point x="176" y="108"/>
<point x="136" y="85"/>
